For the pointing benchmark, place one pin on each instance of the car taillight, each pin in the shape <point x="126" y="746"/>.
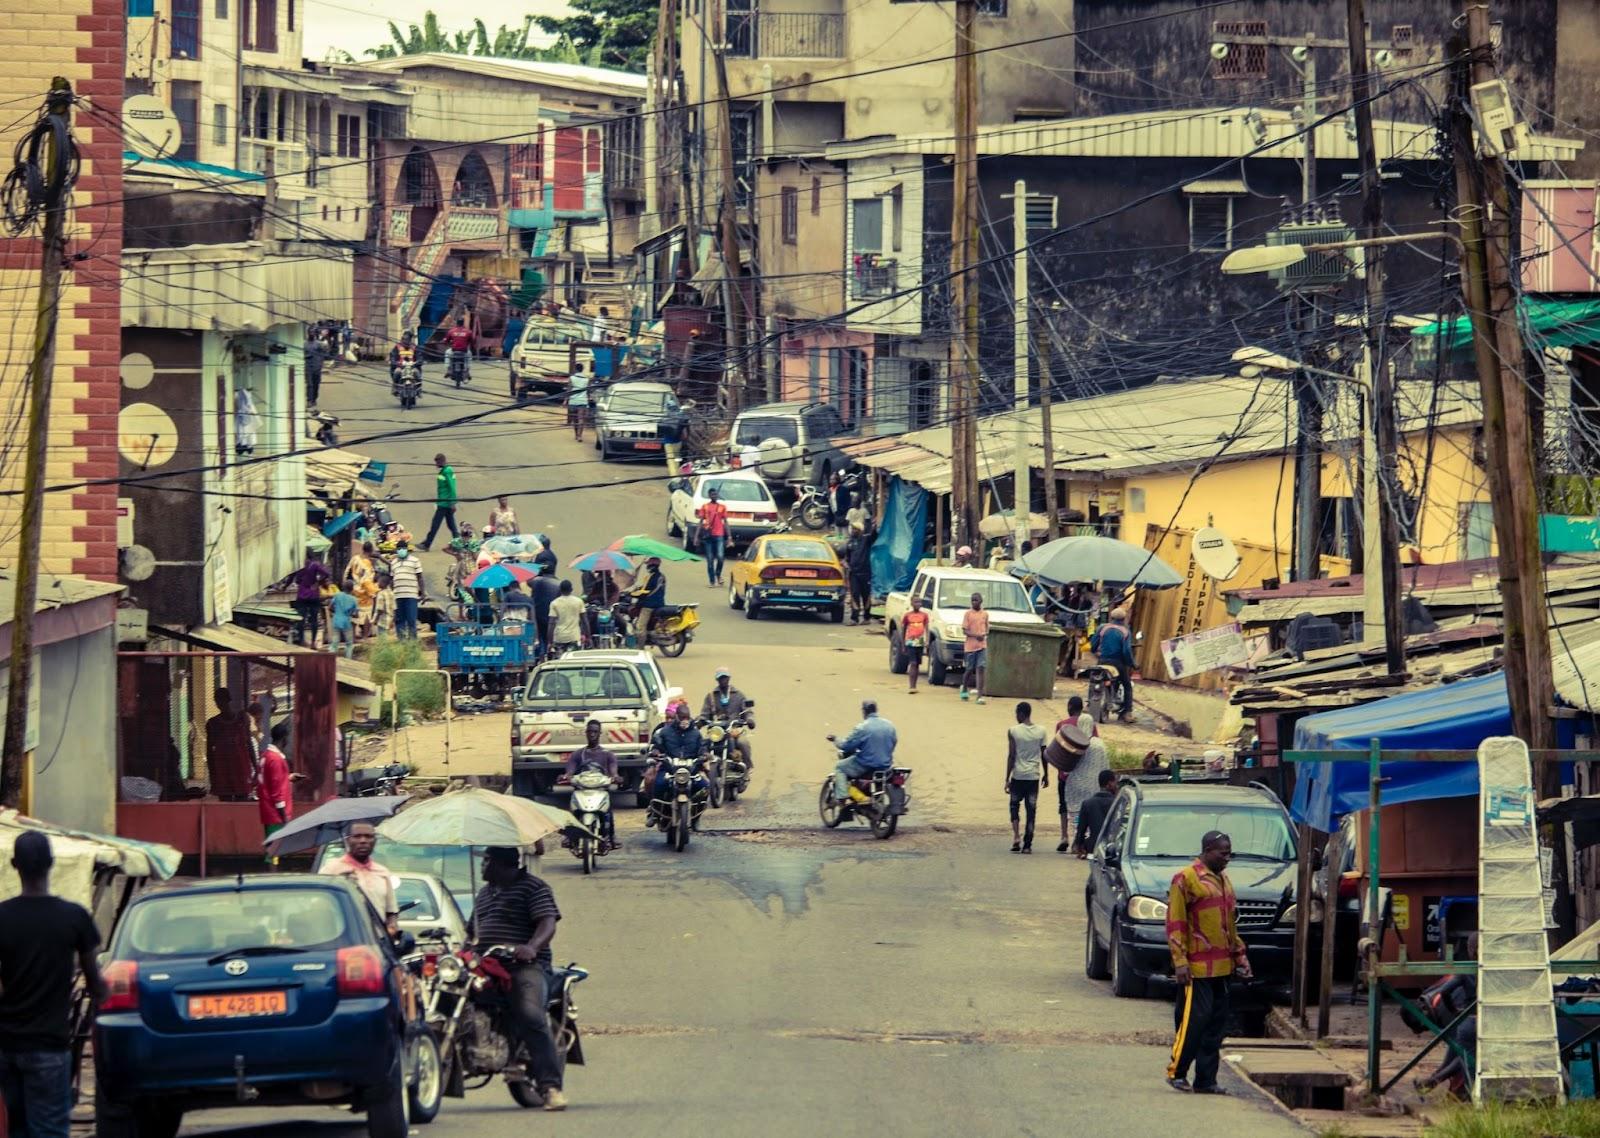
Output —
<point x="122" y="987"/>
<point x="360" y="971"/>
<point x="771" y="573"/>
<point x="830" y="579"/>
<point x="644" y="736"/>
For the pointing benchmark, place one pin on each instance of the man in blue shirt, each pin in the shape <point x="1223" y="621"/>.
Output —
<point x="870" y="747"/>
<point x="1113" y="644"/>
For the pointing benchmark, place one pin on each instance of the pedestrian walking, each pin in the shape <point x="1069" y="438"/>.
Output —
<point x="383" y="606"/>
<point x="409" y="589"/>
<point x="1025" y="775"/>
<point x="1092" y="814"/>
<point x="44" y="942"/>
<point x="1203" y="934"/>
<point x="315" y="352"/>
<point x="566" y="620"/>
<point x="578" y="402"/>
<point x="1079" y="757"/>
<point x="713" y="521"/>
<point x="544" y="590"/>
<point x="308" y="581"/>
<point x="371" y="877"/>
<point x="914" y="640"/>
<point x="444" y="502"/>
<point x="342" y="624"/>
<point x="273" y="800"/>
<point x="838" y="505"/>
<point x="975" y="651"/>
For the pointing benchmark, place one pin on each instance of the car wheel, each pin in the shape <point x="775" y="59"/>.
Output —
<point x="1125" y="979"/>
<point x="836" y="613"/>
<point x="426" y="1076"/>
<point x="899" y="662"/>
<point x="1094" y="957"/>
<point x="672" y="526"/>
<point x="751" y="610"/>
<point x="387" y="1105"/>
<point x="735" y="601"/>
<point x="936" y="665"/>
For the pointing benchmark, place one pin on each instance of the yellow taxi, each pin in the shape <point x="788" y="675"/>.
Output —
<point x="791" y="571"/>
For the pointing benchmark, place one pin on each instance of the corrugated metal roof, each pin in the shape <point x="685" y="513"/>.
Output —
<point x="530" y="70"/>
<point x="1214" y="132"/>
<point x="1575" y="664"/>
<point x="239" y="287"/>
<point x="54" y="592"/>
<point x="334" y="469"/>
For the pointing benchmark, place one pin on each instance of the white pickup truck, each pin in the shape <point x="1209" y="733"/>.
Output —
<point x="946" y="592"/>
<point x="622" y="688"/>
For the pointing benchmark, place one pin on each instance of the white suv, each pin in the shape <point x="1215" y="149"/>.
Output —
<point x="751" y="508"/>
<point x="795" y="441"/>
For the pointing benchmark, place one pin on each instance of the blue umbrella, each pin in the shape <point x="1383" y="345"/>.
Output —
<point x="604" y="561"/>
<point x="1095" y="560"/>
<point x="327" y="822"/>
<point x="499" y="576"/>
<point x="340" y="524"/>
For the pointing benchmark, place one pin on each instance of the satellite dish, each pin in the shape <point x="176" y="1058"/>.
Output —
<point x="137" y="563"/>
<point x="1214" y="553"/>
<point x="150" y="127"/>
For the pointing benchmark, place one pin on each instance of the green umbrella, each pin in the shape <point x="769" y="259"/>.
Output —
<point x="641" y="545"/>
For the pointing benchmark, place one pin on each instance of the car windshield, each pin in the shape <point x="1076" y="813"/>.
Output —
<point x="755" y="431"/>
<point x="594" y="684"/>
<point x="736" y="489"/>
<point x="798" y="549"/>
<point x="202" y="924"/>
<point x="425" y="908"/>
<point x="1003" y="596"/>
<point x="452" y="865"/>
<point x="635" y="402"/>
<point x="1175" y="831"/>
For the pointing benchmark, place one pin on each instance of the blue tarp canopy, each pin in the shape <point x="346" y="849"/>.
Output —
<point x="1455" y="716"/>
<point x="898" y="548"/>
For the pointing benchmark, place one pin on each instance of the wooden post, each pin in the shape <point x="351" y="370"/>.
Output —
<point x="963" y="357"/>
<point x="1302" y="926"/>
<point x="1047" y="379"/>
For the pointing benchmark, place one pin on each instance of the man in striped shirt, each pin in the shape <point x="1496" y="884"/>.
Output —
<point x="405" y="573"/>
<point x="518" y="910"/>
<point x="1203" y="934"/>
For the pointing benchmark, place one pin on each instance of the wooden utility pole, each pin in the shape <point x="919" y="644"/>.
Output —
<point x="1047" y="379"/>
<point x="963" y="359"/>
<point x="1379" y="379"/>
<point x="1484" y="211"/>
<point x="57" y="190"/>
<point x="668" y="129"/>
<point x="734" y="300"/>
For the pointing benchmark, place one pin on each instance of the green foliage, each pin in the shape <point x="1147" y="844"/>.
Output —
<point x="420" y="694"/>
<point x="603" y="33"/>
<point x="1579" y="1119"/>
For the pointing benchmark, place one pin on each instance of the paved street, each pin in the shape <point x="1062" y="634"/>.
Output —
<point x="776" y="977"/>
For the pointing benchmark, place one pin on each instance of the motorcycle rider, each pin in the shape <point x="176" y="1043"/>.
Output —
<point x="679" y="738"/>
<point x="649" y="595"/>
<point x="402" y="353"/>
<point x="727" y="702"/>
<point x="459" y="339"/>
<point x="1113" y="644"/>
<point x="594" y="755"/>
<point x="868" y="748"/>
<point x="518" y="910"/>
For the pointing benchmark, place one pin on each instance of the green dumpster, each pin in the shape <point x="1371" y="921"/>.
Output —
<point x="1022" y="660"/>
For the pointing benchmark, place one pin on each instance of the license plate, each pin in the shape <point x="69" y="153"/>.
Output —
<point x="236" y="1005"/>
<point x="739" y="517"/>
<point x="644" y="444"/>
<point x="800" y="573"/>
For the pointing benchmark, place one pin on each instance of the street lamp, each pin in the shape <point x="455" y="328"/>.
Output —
<point x="1271" y="258"/>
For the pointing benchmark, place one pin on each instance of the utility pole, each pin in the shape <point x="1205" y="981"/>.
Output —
<point x="1380" y="380"/>
<point x="1047" y="379"/>
<point x="734" y="301"/>
<point x="963" y="360"/>
<point x="1484" y="210"/>
<point x="1021" y="330"/>
<point x="56" y="191"/>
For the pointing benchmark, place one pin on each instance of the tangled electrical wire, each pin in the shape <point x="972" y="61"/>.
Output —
<point x="44" y="167"/>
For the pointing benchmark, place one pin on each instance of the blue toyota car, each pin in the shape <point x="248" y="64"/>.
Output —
<point x="270" y="990"/>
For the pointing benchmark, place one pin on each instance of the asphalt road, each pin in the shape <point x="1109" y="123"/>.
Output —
<point x="778" y="978"/>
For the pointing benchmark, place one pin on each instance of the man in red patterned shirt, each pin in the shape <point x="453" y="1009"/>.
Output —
<point x="1203" y="934"/>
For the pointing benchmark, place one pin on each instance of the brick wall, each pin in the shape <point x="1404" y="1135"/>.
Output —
<point x="83" y="41"/>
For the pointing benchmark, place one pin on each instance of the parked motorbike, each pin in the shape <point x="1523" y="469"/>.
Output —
<point x="811" y="507"/>
<point x="725" y="770"/>
<point x="469" y="1011"/>
<point x="408" y="384"/>
<point x="673" y="628"/>
<point x="456" y="368"/>
<point x="591" y="802"/>
<point x="1103" y="699"/>
<point x="882" y="800"/>
<point x="604" y="627"/>
<point x="323" y="427"/>
<point x="677" y="811"/>
<point x="374" y="782"/>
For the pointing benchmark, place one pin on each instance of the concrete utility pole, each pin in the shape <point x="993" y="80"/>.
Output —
<point x="1380" y="381"/>
<point x="57" y="192"/>
<point x="963" y="358"/>
<point x="1047" y="379"/>
<point x="1021" y="328"/>
<point x="1484" y="209"/>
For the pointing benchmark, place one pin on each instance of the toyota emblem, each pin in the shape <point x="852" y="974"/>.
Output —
<point x="236" y="967"/>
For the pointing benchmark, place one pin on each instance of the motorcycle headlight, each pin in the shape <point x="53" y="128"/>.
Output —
<point x="1146" y="909"/>
<point x="681" y="777"/>
<point x="715" y="734"/>
<point x="450" y="969"/>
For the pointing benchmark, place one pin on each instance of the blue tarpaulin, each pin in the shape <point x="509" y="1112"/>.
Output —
<point x="1450" y="717"/>
<point x="900" y="542"/>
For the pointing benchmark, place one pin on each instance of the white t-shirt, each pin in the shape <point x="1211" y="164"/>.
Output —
<point x="566" y="613"/>
<point x="1028" y="741"/>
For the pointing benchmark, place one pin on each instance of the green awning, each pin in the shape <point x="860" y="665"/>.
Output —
<point x="1547" y="322"/>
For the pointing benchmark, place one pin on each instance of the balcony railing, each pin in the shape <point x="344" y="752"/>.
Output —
<point x="470" y="224"/>
<point x="288" y="158"/>
<point x="785" y="35"/>
<point x="871" y="276"/>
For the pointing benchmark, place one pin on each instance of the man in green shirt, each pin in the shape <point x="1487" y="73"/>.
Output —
<point x="444" y="502"/>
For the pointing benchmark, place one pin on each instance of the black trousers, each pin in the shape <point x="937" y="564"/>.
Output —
<point x="532" y="1023"/>
<point x="1025" y="793"/>
<point x="1200" y="1016"/>
<point x="313" y="386"/>
<point x="860" y="593"/>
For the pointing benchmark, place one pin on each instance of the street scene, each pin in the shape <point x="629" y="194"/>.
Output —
<point x="894" y="568"/>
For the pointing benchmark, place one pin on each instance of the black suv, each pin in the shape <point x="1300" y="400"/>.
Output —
<point x="1152" y="832"/>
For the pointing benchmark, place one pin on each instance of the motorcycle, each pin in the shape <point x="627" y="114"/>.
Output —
<point x="1103" y="699"/>
<point x="603" y="627"/>
<point x="725" y="770"/>
<point x="323" y="427"/>
<point x="456" y="367"/>
<point x="673" y="628"/>
<point x="374" y="782"/>
<point x="409" y="383"/>
<point x="469" y="1011"/>
<point x="811" y="507"/>
<point x="678" y="811"/>
<point x="591" y="802"/>
<point x="883" y="800"/>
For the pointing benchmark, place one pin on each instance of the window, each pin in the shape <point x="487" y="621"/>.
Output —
<point x="185" y="29"/>
<point x="736" y="489"/>
<point x="1210" y="221"/>
<point x="1005" y="596"/>
<point x="897" y="219"/>
<point x="137" y="8"/>
<point x="265" y="37"/>
<point x="866" y="215"/>
<point x="219" y="124"/>
<point x="1168" y="831"/>
<point x="814" y="374"/>
<point x="991" y="7"/>
<point x="192" y="925"/>
<point x="1402" y="39"/>
<point x="791" y="215"/>
<point x="1475" y="529"/>
<point x="186" y="107"/>
<point x="1244" y="60"/>
<point x="816" y="196"/>
<point x="752" y="432"/>
<point x="220" y="10"/>
<point x="349" y="136"/>
<point x="291" y="14"/>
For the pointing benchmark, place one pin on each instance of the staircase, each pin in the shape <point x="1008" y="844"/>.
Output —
<point x="1518" y="1056"/>
<point x="418" y="282"/>
<point x="606" y="286"/>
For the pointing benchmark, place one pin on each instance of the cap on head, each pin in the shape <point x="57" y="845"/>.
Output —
<point x="31" y="854"/>
<point x="721" y="674"/>
<point x="964" y="551"/>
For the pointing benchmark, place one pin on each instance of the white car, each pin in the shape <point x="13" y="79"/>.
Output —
<point x="752" y="511"/>
<point x="628" y="415"/>
<point x="428" y="911"/>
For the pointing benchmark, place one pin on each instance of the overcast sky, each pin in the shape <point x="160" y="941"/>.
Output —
<point x="355" y="25"/>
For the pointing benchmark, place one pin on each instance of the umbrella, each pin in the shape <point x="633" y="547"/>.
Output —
<point x="327" y="822"/>
<point x="514" y="544"/>
<point x="499" y="575"/>
<point x="641" y="545"/>
<point x="475" y="817"/>
<point x="1090" y="558"/>
<point x="603" y="561"/>
<point x="1005" y="524"/>
<point x="341" y="523"/>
